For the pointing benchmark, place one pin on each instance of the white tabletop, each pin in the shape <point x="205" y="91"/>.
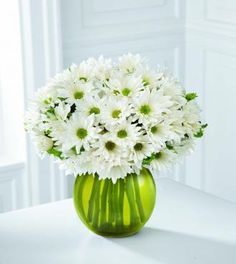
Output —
<point x="187" y="227"/>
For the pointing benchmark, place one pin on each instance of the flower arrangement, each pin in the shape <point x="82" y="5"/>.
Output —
<point x="112" y="119"/>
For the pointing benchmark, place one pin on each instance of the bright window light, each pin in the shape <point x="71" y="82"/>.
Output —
<point x="12" y="145"/>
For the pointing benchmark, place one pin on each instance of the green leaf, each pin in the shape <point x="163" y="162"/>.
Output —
<point x="200" y="132"/>
<point x="190" y="96"/>
<point x="55" y="152"/>
<point x="170" y="147"/>
<point x="148" y="160"/>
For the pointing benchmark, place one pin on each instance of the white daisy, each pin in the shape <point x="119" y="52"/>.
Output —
<point x="75" y="91"/>
<point x="140" y="150"/>
<point x="149" y="78"/>
<point x="130" y="63"/>
<point x="107" y="148"/>
<point x="113" y="118"/>
<point x="62" y="111"/>
<point x="79" y="133"/>
<point x="45" y="97"/>
<point x="114" y="171"/>
<point x="43" y="143"/>
<point x="186" y="147"/>
<point x="126" y="133"/>
<point x="150" y="105"/>
<point x="171" y="87"/>
<point x="115" y="110"/>
<point x="127" y="86"/>
<point x="86" y="163"/>
<point x="102" y="68"/>
<point x="90" y="105"/>
<point x="163" y="160"/>
<point x="158" y="134"/>
<point x="191" y="116"/>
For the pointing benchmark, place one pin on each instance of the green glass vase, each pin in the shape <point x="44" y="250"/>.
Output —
<point x="115" y="210"/>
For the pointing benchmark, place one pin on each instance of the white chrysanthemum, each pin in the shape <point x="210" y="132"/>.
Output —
<point x="114" y="171"/>
<point x="90" y="105"/>
<point x="184" y="148"/>
<point x="130" y="63"/>
<point x="140" y="150"/>
<point x="62" y="111"/>
<point x="115" y="110"/>
<point x="171" y="87"/>
<point x="191" y="117"/>
<point x="45" y="96"/>
<point x="174" y="120"/>
<point x="79" y="132"/>
<point x="149" y="78"/>
<point x="86" y="163"/>
<point x="163" y="160"/>
<point x="127" y="86"/>
<point x="158" y="134"/>
<point x="32" y="119"/>
<point x="126" y="133"/>
<point x="150" y="105"/>
<point x="114" y="118"/>
<point x="43" y="143"/>
<point x="102" y="68"/>
<point x="75" y="92"/>
<point x="83" y="72"/>
<point x="106" y="148"/>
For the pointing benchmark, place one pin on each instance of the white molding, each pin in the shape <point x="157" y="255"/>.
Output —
<point x="122" y="6"/>
<point x="210" y="29"/>
<point x="157" y="11"/>
<point x="11" y="186"/>
<point x="169" y="29"/>
<point x="218" y="11"/>
<point x="2" y="136"/>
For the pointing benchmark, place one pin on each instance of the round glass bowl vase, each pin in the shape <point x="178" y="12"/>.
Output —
<point x="115" y="210"/>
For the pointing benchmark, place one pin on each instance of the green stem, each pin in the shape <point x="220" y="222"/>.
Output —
<point x="116" y="203"/>
<point x="97" y="205"/>
<point x="110" y="203"/>
<point x="82" y="181"/>
<point x="92" y="198"/>
<point x="121" y="202"/>
<point x="138" y="198"/>
<point x="134" y="217"/>
<point x="104" y="201"/>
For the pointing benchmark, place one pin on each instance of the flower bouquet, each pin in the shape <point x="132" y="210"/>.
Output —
<point x="112" y="124"/>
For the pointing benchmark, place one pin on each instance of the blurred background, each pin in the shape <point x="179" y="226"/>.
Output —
<point x="196" y="40"/>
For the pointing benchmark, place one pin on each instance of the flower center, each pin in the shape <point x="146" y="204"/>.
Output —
<point x="110" y="145"/>
<point x="83" y="79"/>
<point x="122" y="133"/>
<point x="116" y="113"/>
<point x="125" y="91"/>
<point x="154" y="129"/>
<point x="145" y="82"/>
<point x="138" y="146"/>
<point x="145" y="109"/>
<point x="94" y="110"/>
<point x="82" y="133"/>
<point x="78" y="94"/>
<point x="158" y="155"/>
<point x="48" y="100"/>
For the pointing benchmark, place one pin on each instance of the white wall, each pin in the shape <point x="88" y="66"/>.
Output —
<point x="211" y="70"/>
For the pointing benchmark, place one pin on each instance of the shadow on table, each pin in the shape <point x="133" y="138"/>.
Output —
<point x="172" y="247"/>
